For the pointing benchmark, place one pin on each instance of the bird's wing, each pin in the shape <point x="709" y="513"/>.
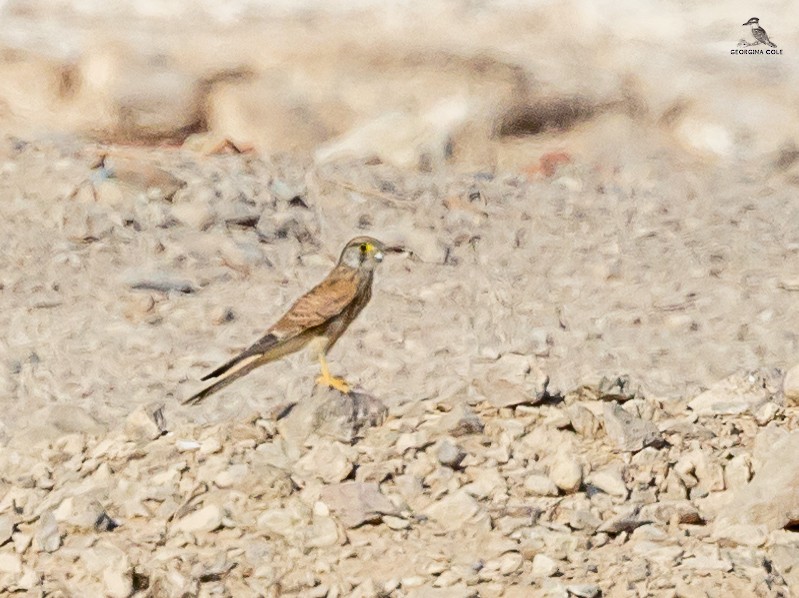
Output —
<point x="325" y="301"/>
<point x="322" y="303"/>
<point x="760" y="35"/>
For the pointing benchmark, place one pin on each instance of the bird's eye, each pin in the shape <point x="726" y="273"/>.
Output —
<point x="363" y="247"/>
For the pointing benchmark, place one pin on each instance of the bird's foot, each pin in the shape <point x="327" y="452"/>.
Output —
<point x="332" y="382"/>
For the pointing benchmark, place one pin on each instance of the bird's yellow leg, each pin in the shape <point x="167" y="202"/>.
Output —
<point x="338" y="383"/>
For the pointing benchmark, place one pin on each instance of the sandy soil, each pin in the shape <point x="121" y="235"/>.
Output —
<point x="676" y="280"/>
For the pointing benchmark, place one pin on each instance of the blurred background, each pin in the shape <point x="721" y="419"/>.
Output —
<point x="468" y="84"/>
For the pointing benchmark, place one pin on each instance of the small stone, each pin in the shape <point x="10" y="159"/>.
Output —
<point x="6" y="528"/>
<point x="396" y="522"/>
<point x="329" y="461"/>
<point x="627" y="432"/>
<point x="626" y="521"/>
<point x="461" y="421"/>
<point x="449" y="454"/>
<point x="510" y="562"/>
<point x="735" y="394"/>
<point x="790" y="385"/>
<point x="48" y="537"/>
<point x="210" y="446"/>
<point x="513" y="380"/>
<point x="454" y="511"/>
<point x="583" y="421"/>
<point x="82" y="511"/>
<point x="329" y="413"/>
<point x="766" y="412"/>
<point x="610" y="481"/>
<point x="540" y="485"/>
<point x="584" y="590"/>
<point x="187" y="446"/>
<point x="743" y="535"/>
<point x="282" y="522"/>
<point x="324" y="533"/>
<point x="544" y="566"/>
<point x="21" y="541"/>
<point x="161" y="282"/>
<point x="194" y="214"/>
<point x="355" y="503"/>
<point x="737" y="472"/>
<point x="412" y="581"/>
<point x="206" y="519"/>
<point x="146" y="422"/>
<point x="412" y="440"/>
<point x="10" y="563"/>
<point x="485" y="482"/>
<point x="232" y="475"/>
<point x="566" y="473"/>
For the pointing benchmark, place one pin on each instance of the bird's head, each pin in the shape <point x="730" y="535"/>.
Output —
<point x="752" y="21"/>
<point x="364" y="253"/>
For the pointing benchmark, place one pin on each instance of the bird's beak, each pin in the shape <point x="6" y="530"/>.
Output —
<point x="395" y="249"/>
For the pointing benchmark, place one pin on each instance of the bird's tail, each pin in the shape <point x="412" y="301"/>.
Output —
<point x="252" y="362"/>
<point x="772" y="44"/>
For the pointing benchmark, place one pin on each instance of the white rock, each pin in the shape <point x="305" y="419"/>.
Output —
<point x="610" y="481"/>
<point x="206" y="519"/>
<point x="48" y="537"/>
<point x="354" y="503"/>
<point x="282" y="522"/>
<point x="10" y="563"/>
<point x="325" y="532"/>
<point x="790" y="385"/>
<point x="396" y="522"/>
<point x="187" y="446"/>
<point x="194" y="214"/>
<point x="485" y="482"/>
<point x="540" y="485"/>
<point x="510" y="562"/>
<point x="766" y="412"/>
<point x="6" y="528"/>
<point x="735" y="394"/>
<point x="544" y="566"/>
<point x="566" y="473"/>
<point x="626" y="431"/>
<point x="772" y="497"/>
<point x="743" y="535"/>
<point x="329" y="461"/>
<point x="737" y="472"/>
<point x="145" y="423"/>
<point x="454" y="511"/>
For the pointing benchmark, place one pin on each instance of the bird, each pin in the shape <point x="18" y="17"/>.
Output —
<point x="759" y="33"/>
<point x="318" y="318"/>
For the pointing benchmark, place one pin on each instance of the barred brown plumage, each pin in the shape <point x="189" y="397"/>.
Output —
<point x="322" y="315"/>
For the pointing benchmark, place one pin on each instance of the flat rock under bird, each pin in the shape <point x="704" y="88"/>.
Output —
<point x="318" y="318"/>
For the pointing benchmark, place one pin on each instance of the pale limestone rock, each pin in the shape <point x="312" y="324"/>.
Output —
<point x="48" y="536"/>
<point x="626" y="431"/>
<point x="205" y="519"/>
<point x="539" y="484"/>
<point x="355" y="503"/>
<point x="566" y="473"/>
<point x="609" y="479"/>
<point x="544" y="566"/>
<point x="454" y="511"/>
<point x="331" y="462"/>
<point x="10" y="563"/>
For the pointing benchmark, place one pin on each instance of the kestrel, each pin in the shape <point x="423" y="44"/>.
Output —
<point x="318" y="318"/>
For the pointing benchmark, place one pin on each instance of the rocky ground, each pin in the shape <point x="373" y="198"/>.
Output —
<point x="579" y="380"/>
<point x="547" y="405"/>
